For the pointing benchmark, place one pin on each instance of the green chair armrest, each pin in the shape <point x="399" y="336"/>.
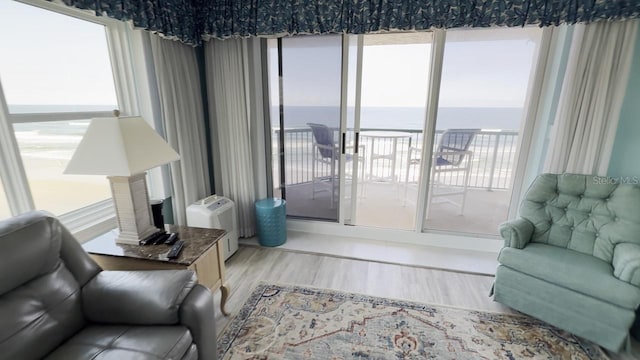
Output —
<point x="626" y="263"/>
<point x="516" y="233"/>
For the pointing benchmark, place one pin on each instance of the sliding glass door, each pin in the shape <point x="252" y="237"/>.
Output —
<point x="394" y="81"/>
<point x="483" y="92"/>
<point x="407" y="131"/>
<point x="305" y="74"/>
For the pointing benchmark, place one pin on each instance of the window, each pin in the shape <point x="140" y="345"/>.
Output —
<point x="55" y="75"/>
<point x="53" y="62"/>
<point x="46" y="148"/>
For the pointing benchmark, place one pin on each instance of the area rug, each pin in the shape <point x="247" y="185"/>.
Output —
<point x="295" y="322"/>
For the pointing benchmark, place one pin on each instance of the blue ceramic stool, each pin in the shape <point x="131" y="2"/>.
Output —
<point x="271" y="221"/>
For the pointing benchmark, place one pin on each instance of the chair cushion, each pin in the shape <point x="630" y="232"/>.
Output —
<point x="440" y="161"/>
<point x="33" y="241"/>
<point x="583" y="213"/>
<point x="102" y="342"/>
<point x="582" y="273"/>
<point x="40" y="315"/>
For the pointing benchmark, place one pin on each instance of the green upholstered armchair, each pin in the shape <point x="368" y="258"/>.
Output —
<point x="572" y="258"/>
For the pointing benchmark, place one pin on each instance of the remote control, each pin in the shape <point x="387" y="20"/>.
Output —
<point x="152" y="238"/>
<point x="162" y="239"/>
<point x="158" y="238"/>
<point x="175" y="249"/>
<point x="171" y="238"/>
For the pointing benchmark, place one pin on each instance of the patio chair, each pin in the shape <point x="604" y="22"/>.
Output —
<point x="325" y="151"/>
<point x="453" y="155"/>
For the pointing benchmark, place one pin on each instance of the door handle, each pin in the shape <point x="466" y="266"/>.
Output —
<point x="357" y="141"/>
<point x="344" y="140"/>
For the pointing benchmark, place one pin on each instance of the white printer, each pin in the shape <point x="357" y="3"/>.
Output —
<point x="216" y="212"/>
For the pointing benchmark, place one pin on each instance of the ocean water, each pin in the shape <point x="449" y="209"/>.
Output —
<point x="58" y="139"/>
<point x="55" y="140"/>
<point x="404" y="118"/>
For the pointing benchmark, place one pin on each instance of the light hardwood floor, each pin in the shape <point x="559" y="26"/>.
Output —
<point x="250" y="265"/>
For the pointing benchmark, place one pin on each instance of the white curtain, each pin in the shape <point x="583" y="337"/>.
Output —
<point x="178" y="79"/>
<point x="227" y="85"/>
<point x="591" y="99"/>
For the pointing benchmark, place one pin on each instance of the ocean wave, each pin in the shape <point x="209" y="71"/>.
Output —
<point x="35" y="137"/>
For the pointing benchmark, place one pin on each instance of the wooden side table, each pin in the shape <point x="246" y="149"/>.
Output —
<point x="202" y="252"/>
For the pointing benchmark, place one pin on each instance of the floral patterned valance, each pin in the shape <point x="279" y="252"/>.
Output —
<point x="192" y="20"/>
<point x="222" y="19"/>
<point x="174" y="19"/>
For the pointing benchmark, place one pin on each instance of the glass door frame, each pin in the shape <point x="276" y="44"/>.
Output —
<point x="344" y="90"/>
<point x="348" y="207"/>
<point x="429" y="131"/>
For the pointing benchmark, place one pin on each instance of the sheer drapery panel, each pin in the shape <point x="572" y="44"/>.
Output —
<point x="227" y="84"/>
<point x="591" y="98"/>
<point x="178" y="81"/>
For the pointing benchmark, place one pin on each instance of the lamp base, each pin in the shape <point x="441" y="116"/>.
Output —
<point x="133" y="212"/>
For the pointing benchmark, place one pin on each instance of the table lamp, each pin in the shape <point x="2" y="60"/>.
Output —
<point x="124" y="148"/>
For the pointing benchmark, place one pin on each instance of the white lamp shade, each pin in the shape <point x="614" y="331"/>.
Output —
<point x="120" y="147"/>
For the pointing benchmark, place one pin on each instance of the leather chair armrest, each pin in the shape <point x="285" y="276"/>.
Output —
<point x="626" y="263"/>
<point x="197" y="314"/>
<point x="516" y="233"/>
<point x="137" y="297"/>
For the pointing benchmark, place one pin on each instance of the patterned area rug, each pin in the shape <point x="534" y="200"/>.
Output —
<point x="294" y="322"/>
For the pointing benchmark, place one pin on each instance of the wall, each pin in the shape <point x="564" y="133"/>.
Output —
<point x="624" y="158"/>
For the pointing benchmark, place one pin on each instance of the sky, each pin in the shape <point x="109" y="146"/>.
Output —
<point x="48" y="58"/>
<point x="482" y="68"/>
<point x="52" y="59"/>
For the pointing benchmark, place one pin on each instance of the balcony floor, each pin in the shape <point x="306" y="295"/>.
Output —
<point x="385" y="205"/>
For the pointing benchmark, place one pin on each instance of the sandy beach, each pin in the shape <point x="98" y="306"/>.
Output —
<point x="56" y="192"/>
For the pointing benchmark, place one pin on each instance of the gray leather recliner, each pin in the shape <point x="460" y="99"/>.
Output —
<point x="57" y="303"/>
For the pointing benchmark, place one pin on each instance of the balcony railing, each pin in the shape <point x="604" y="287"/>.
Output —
<point x="492" y="163"/>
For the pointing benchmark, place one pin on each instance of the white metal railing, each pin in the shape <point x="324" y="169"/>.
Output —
<point x="492" y="166"/>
